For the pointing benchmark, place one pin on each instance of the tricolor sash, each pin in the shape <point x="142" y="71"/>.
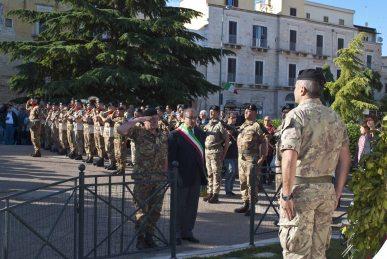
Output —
<point x="191" y="138"/>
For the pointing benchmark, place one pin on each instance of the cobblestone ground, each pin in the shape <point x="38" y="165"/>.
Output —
<point x="216" y="224"/>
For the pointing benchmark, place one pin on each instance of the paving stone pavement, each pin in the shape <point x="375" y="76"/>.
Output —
<point x="216" y="224"/>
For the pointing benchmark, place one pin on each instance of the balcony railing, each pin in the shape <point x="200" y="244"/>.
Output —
<point x="232" y="39"/>
<point x="292" y="46"/>
<point x="231" y="77"/>
<point x="260" y="43"/>
<point x="258" y="80"/>
<point x="319" y="51"/>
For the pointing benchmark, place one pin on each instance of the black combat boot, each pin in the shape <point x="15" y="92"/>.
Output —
<point x="78" y="157"/>
<point x="214" y="198"/>
<point x="36" y="154"/>
<point x="244" y="208"/>
<point x="150" y="241"/>
<point x="99" y="162"/>
<point x="111" y="167"/>
<point x="208" y="197"/>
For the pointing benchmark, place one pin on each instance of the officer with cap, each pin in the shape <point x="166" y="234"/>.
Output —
<point x="314" y="145"/>
<point x="252" y="145"/>
<point x="35" y="125"/>
<point x="216" y="146"/>
<point x="149" y="168"/>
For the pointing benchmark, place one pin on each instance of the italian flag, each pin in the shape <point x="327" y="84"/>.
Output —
<point x="230" y="87"/>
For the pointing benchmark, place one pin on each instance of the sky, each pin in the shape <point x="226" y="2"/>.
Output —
<point x="371" y="11"/>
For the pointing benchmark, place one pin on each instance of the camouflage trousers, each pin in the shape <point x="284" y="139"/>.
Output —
<point x="89" y="143"/>
<point x="63" y="139"/>
<point x="214" y="164"/>
<point x="120" y="152"/>
<point x="55" y="138"/>
<point x="35" y="135"/>
<point x="149" y="210"/>
<point x="109" y="148"/>
<point x="47" y="137"/>
<point x="245" y="166"/>
<point x="99" y="144"/>
<point x="308" y="234"/>
<point x="71" y="137"/>
<point x="79" y="142"/>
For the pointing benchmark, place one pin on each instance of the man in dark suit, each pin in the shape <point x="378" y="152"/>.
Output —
<point x="186" y="146"/>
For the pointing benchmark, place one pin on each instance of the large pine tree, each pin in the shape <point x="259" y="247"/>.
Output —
<point x="353" y="90"/>
<point x="130" y="50"/>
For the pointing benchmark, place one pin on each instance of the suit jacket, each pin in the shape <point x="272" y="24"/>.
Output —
<point x="191" y="164"/>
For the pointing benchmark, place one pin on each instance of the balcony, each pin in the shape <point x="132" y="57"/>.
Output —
<point x="319" y="53"/>
<point x="260" y="45"/>
<point x="232" y="42"/>
<point x="292" y="46"/>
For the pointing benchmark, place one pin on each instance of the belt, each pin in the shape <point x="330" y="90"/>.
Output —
<point x="311" y="180"/>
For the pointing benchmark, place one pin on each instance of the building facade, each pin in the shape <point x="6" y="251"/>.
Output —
<point x="272" y="42"/>
<point x="13" y="29"/>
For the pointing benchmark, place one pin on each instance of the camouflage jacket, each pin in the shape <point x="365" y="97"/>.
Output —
<point x="317" y="134"/>
<point x="249" y="139"/>
<point x="216" y="135"/>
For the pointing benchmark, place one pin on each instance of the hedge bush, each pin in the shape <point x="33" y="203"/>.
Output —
<point x="353" y="130"/>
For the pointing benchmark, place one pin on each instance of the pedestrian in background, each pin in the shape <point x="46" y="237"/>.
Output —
<point x="231" y="159"/>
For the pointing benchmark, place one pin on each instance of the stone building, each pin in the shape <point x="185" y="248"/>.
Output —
<point x="273" y="41"/>
<point x="12" y="29"/>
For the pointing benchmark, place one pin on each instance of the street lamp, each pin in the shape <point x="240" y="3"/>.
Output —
<point x="228" y="7"/>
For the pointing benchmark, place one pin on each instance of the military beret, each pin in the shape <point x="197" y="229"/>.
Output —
<point x="251" y="107"/>
<point x="312" y="74"/>
<point x="286" y="107"/>
<point x="150" y="112"/>
<point x="215" y="108"/>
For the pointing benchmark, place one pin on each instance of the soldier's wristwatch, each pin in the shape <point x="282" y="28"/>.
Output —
<point x="287" y="197"/>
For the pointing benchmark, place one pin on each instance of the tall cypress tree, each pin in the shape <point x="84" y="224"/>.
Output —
<point x="352" y="91"/>
<point x="131" y="50"/>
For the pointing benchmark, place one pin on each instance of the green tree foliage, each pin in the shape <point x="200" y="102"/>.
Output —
<point x="131" y="50"/>
<point x="353" y="89"/>
<point x="353" y="131"/>
<point x="367" y="216"/>
<point x="326" y="97"/>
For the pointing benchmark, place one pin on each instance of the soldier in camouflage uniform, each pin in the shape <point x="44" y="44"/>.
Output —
<point x="78" y="130"/>
<point x="108" y="134"/>
<point x="64" y="145"/>
<point x="216" y="146"/>
<point x="314" y="144"/>
<point x="47" y="127"/>
<point x="120" y="150"/>
<point x="35" y="125"/>
<point x="70" y="130"/>
<point x="137" y="113"/>
<point x="88" y="133"/>
<point x="98" y="134"/>
<point x="151" y="164"/>
<point x="55" y="128"/>
<point x="251" y="145"/>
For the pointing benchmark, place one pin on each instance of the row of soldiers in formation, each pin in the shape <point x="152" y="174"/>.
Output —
<point x="87" y="128"/>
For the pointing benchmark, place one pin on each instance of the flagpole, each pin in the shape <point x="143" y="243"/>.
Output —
<point x="220" y="62"/>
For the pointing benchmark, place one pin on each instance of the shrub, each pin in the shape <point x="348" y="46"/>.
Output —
<point x="353" y="134"/>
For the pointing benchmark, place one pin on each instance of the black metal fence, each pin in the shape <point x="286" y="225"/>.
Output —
<point x="92" y="216"/>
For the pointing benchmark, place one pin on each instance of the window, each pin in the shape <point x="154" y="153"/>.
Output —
<point x="259" y="36"/>
<point x="293" y="12"/>
<point x="292" y="74"/>
<point x="326" y="19"/>
<point x="369" y="61"/>
<point x="307" y="15"/>
<point x="231" y="70"/>
<point x="341" y="21"/>
<point x="258" y="72"/>
<point x="340" y="43"/>
<point x="39" y="26"/>
<point x="1" y="14"/>
<point x="385" y="88"/>
<point x="365" y="38"/>
<point x="293" y="40"/>
<point x="338" y="73"/>
<point x="232" y="3"/>
<point x="319" y="45"/>
<point x="232" y="32"/>
<point x="8" y="23"/>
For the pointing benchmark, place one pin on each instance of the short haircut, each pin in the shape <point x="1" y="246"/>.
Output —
<point x="203" y="112"/>
<point x="189" y="110"/>
<point x="313" y="87"/>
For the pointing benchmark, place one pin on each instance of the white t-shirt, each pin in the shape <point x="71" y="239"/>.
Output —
<point x="9" y="119"/>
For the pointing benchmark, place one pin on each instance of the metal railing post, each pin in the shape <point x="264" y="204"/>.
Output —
<point x="253" y="200"/>
<point x="75" y="217"/>
<point x="173" y="205"/>
<point x="81" y="204"/>
<point x="6" y="230"/>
